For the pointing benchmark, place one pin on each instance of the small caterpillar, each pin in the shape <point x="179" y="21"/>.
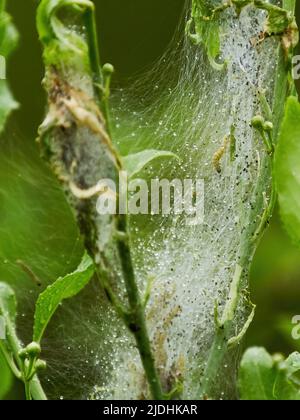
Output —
<point x="230" y="139"/>
<point x="219" y="154"/>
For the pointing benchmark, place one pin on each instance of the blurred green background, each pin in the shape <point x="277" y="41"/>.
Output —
<point x="133" y="34"/>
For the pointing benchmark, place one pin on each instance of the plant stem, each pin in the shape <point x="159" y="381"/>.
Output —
<point x="135" y="318"/>
<point x="137" y="322"/>
<point x="216" y="356"/>
<point x="10" y="361"/>
<point x="94" y="55"/>
<point x="36" y="389"/>
<point x="95" y="61"/>
<point x="223" y="329"/>
<point x="27" y="391"/>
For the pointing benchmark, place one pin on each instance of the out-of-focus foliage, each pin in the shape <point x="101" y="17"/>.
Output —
<point x="287" y="170"/>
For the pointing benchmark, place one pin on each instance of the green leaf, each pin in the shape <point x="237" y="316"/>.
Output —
<point x="287" y="169"/>
<point x="257" y="375"/>
<point x="64" y="288"/>
<point x="136" y="162"/>
<point x="6" y="378"/>
<point x="287" y="384"/>
<point x="263" y="377"/>
<point x="205" y="23"/>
